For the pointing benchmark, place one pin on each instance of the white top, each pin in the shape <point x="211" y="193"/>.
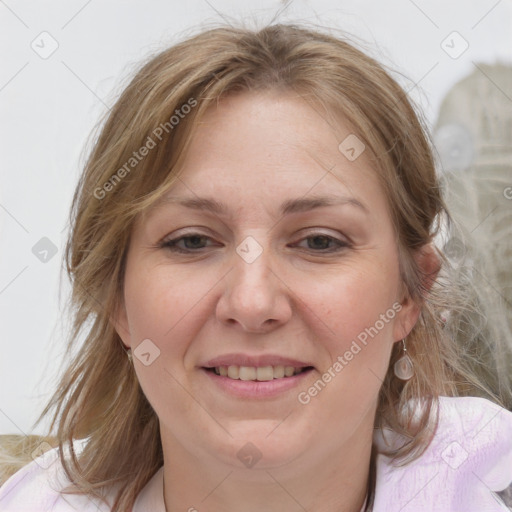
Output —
<point x="467" y="463"/>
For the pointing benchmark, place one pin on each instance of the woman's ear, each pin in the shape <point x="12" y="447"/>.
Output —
<point x="428" y="264"/>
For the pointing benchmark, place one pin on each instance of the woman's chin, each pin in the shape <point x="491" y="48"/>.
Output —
<point x="261" y="450"/>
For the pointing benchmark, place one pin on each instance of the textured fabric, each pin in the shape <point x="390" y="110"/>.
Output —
<point x="466" y="468"/>
<point x="468" y="462"/>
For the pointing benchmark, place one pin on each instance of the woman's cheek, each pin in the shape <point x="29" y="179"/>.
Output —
<point x="358" y="300"/>
<point x="155" y="304"/>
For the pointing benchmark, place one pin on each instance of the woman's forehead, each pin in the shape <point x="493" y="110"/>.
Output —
<point x="281" y="115"/>
<point x="269" y="136"/>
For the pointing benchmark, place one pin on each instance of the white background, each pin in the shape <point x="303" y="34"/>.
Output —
<point x="49" y="106"/>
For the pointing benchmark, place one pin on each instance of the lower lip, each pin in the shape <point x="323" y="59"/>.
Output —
<point x="256" y="389"/>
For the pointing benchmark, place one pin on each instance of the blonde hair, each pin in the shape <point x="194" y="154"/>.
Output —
<point x="99" y="397"/>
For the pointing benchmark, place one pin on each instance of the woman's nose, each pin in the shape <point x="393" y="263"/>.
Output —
<point x="254" y="297"/>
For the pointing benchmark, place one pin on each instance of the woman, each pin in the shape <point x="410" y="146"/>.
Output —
<point x="264" y="306"/>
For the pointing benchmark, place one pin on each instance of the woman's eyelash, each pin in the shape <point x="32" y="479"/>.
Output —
<point x="341" y="244"/>
<point x="172" y="244"/>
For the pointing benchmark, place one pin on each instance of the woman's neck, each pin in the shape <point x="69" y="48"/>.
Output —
<point x="336" y="483"/>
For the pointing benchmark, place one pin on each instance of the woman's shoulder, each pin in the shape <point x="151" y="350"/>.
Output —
<point x="37" y="487"/>
<point x="467" y="466"/>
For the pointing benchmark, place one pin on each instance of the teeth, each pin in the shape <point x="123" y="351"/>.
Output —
<point x="278" y="372"/>
<point x="261" y="373"/>
<point x="264" y="373"/>
<point x="288" y="371"/>
<point x="247" y="373"/>
<point x="233" y="372"/>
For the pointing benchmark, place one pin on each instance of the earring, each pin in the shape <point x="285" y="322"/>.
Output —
<point x="129" y="354"/>
<point x="404" y="367"/>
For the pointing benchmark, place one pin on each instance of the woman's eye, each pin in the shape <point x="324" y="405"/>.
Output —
<point x="191" y="243"/>
<point x="321" y="243"/>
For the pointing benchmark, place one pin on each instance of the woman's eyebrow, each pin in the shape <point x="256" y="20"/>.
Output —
<point x="287" y="207"/>
<point x="310" y="203"/>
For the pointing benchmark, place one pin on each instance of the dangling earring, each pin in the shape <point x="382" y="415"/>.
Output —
<point x="129" y="354"/>
<point x="404" y="367"/>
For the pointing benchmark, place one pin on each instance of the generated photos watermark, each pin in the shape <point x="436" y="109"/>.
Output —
<point x="304" y="397"/>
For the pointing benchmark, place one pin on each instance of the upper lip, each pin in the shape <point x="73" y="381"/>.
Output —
<point x="254" y="360"/>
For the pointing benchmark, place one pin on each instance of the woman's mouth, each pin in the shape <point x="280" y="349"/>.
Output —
<point x="256" y="382"/>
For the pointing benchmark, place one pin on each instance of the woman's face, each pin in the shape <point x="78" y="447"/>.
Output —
<point x="244" y="265"/>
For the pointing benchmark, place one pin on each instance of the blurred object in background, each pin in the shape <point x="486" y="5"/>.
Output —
<point x="473" y="138"/>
